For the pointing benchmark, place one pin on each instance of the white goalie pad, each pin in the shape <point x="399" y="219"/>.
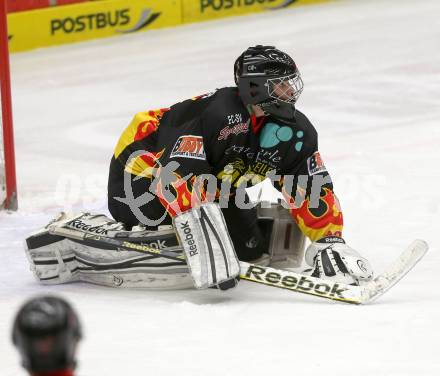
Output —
<point x="287" y="242"/>
<point x="55" y="259"/>
<point x="207" y="245"/>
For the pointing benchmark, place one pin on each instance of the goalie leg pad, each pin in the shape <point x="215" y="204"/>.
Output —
<point x="56" y="259"/>
<point x="207" y="245"/>
<point x="53" y="260"/>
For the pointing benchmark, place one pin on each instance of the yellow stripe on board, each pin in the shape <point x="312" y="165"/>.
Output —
<point x="203" y="10"/>
<point x="90" y="20"/>
<point x="99" y="19"/>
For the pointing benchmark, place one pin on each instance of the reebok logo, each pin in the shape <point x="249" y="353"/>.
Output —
<point x="331" y="239"/>
<point x="158" y="244"/>
<point x="188" y="238"/>
<point x="303" y="284"/>
<point x="80" y="225"/>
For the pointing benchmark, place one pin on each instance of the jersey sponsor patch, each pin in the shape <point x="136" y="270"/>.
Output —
<point x="235" y="130"/>
<point x="272" y="134"/>
<point x="189" y="146"/>
<point x="315" y="164"/>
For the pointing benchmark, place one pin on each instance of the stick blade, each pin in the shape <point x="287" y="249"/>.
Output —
<point x="395" y="272"/>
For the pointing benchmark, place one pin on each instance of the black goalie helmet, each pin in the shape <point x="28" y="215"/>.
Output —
<point x="269" y="78"/>
<point x="46" y="331"/>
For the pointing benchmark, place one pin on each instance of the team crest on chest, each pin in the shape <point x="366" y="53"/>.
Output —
<point x="272" y="134"/>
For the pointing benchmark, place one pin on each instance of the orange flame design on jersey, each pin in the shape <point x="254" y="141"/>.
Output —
<point x="144" y="164"/>
<point x="189" y="193"/>
<point x="145" y="128"/>
<point x="318" y="222"/>
<point x="152" y="157"/>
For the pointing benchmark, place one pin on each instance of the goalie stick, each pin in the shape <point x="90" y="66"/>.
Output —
<point x="362" y="294"/>
<point x="284" y="279"/>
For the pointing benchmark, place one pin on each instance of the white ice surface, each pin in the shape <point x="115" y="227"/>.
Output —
<point x="372" y="88"/>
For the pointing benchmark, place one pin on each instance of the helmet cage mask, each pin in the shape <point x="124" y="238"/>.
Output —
<point x="285" y="89"/>
<point x="270" y="82"/>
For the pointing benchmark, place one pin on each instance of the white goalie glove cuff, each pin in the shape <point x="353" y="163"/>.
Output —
<point x="208" y="248"/>
<point x="331" y="258"/>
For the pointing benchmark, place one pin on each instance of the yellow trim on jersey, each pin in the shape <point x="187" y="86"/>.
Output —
<point x="143" y="165"/>
<point x="139" y="124"/>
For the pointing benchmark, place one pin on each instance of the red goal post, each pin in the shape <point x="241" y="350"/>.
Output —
<point x="8" y="185"/>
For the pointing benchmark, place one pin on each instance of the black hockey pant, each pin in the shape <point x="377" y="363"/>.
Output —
<point x="248" y="238"/>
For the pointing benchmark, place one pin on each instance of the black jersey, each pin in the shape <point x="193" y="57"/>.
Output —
<point x="215" y="134"/>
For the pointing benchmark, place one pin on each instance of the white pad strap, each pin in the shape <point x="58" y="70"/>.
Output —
<point x="287" y="242"/>
<point x="208" y="248"/>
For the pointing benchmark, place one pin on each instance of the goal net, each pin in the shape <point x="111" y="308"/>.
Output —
<point x="8" y="187"/>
